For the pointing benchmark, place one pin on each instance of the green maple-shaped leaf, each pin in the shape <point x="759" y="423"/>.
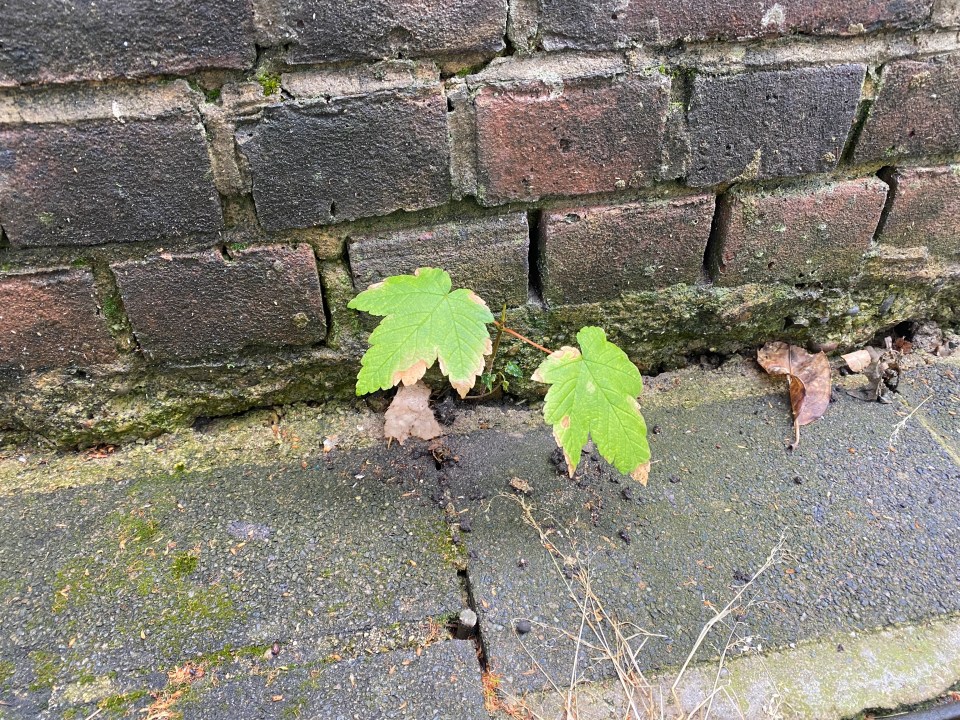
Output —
<point x="593" y="393"/>
<point x="423" y="322"/>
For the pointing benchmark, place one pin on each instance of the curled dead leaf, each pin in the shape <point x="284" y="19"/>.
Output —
<point x="880" y="367"/>
<point x="808" y="377"/>
<point x="410" y="414"/>
<point x="858" y="360"/>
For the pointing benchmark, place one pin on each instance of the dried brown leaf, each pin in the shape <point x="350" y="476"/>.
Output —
<point x="410" y="415"/>
<point x="641" y="474"/>
<point x="521" y="485"/>
<point x="858" y="360"/>
<point x="808" y="376"/>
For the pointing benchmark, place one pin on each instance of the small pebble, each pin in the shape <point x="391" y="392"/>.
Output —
<point x="523" y="627"/>
<point x="627" y="493"/>
<point x="465" y="524"/>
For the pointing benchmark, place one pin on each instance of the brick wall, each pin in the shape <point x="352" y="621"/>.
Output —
<point x="190" y="193"/>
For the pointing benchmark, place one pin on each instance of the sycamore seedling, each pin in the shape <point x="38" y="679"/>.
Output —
<point x="423" y="322"/>
<point x="593" y="389"/>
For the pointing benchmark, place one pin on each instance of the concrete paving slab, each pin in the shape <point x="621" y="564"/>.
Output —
<point x="832" y="678"/>
<point x="441" y="683"/>
<point x="208" y="548"/>
<point x="872" y="535"/>
<point x="935" y="390"/>
<point x="136" y="575"/>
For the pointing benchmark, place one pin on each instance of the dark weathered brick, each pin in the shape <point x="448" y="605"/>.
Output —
<point x="916" y="112"/>
<point x="768" y="124"/>
<point x="487" y="255"/>
<point x="50" y="319"/>
<point x="349" y="158"/>
<point x="598" y="253"/>
<point x="614" y="23"/>
<point x="802" y="235"/>
<point x="106" y="182"/>
<point x="536" y="139"/>
<point x="54" y="41"/>
<point x="925" y="210"/>
<point x="338" y="30"/>
<point x="203" y="304"/>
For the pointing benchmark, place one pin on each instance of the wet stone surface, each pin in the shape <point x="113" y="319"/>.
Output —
<point x="321" y="585"/>
<point x="871" y="537"/>
<point x="130" y="578"/>
<point x="443" y="681"/>
<point x="935" y="390"/>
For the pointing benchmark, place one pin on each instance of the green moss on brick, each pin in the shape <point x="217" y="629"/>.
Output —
<point x="270" y="82"/>
<point x="112" y="309"/>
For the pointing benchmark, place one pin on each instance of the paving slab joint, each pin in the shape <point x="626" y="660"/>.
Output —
<point x="477" y="634"/>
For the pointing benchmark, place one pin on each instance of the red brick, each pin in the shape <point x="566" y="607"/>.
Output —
<point x="106" y="182"/>
<point x="329" y="162"/>
<point x="338" y="30"/>
<point x="487" y="255"/>
<point x="50" y="319"/>
<point x="800" y="236"/>
<point x="55" y="42"/>
<point x="599" y="252"/>
<point x="590" y="135"/>
<point x="916" y="112"/>
<point x="616" y="24"/>
<point x="769" y="124"/>
<point x="203" y="304"/>
<point x="925" y="210"/>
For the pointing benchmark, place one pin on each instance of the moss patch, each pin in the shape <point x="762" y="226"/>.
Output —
<point x="137" y="528"/>
<point x="7" y="669"/>
<point x="183" y="565"/>
<point x="112" y="309"/>
<point x="122" y="702"/>
<point x="270" y="82"/>
<point x="131" y="568"/>
<point x="437" y="539"/>
<point x="46" y="668"/>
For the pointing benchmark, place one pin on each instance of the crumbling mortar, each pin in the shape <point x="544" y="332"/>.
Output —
<point x="110" y="305"/>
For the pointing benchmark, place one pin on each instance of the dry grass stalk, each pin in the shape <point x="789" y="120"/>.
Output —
<point x="619" y="643"/>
